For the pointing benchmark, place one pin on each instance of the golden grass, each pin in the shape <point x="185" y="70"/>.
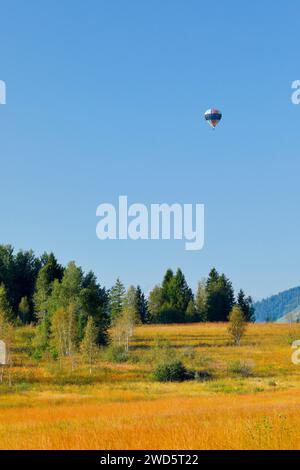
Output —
<point x="121" y="407"/>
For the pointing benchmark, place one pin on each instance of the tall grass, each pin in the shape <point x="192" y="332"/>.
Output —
<point x="120" y="406"/>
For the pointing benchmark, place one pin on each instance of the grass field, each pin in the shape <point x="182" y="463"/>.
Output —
<point x="252" y="400"/>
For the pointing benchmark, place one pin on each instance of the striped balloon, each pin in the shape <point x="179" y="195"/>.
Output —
<point x="213" y="116"/>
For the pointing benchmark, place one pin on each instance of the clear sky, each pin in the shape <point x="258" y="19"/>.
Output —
<point x="106" y="98"/>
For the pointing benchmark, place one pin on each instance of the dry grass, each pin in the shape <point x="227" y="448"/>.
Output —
<point x="121" y="407"/>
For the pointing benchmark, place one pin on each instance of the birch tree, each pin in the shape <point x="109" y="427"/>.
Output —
<point x="63" y="329"/>
<point x="123" y="326"/>
<point x="89" y="343"/>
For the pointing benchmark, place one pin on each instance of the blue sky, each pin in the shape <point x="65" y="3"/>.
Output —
<point x="107" y="98"/>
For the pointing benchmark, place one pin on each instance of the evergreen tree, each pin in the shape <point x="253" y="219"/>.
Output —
<point x="220" y="297"/>
<point x="141" y="305"/>
<point x="54" y="269"/>
<point x="94" y="303"/>
<point x="174" y="297"/>
<point x="181" y="295"/>
<point x="23" y="274"/>
<point x="166" y="286"/>
<point x="246" y="304"/>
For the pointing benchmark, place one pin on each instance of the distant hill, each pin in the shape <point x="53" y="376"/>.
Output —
<point x="278" y="306"/>
<point x="293" y="316"/>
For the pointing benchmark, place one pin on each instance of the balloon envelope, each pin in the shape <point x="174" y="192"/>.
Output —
<point x="213" y="116"/>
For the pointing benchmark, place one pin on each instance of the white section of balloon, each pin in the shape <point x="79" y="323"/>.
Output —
<point x="213" y="116"/>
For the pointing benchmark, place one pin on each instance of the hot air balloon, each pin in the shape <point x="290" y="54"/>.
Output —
<point x="213" y="116"/>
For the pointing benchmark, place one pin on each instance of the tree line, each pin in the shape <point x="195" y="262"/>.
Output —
<point x="73" y="310"/>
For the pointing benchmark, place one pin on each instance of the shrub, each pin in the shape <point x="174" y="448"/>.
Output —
<point x="240" y="368"/>
<point x="172" y="371"/>
<point x="117" y="354"/>
<point x="37" y="354"/>
<point x="203" y="375"/>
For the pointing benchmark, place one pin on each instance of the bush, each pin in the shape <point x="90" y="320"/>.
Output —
<point x="203" y="375"/>
<point x="173" y="371"/>
<point x="240" y="368"/>
<point x="117" y="354"/>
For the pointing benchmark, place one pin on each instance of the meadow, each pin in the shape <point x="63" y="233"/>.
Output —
<point x="245" y="397"/>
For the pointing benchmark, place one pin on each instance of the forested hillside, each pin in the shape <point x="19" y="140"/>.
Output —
<point x="276" y="306"/>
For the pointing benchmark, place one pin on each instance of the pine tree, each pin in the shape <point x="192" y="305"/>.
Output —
<point x="181" y="295"/>
<point x="220" y="297"/>
<point x="246" y="305"/>
<point x="93" y="300"/>
<point x="166" y="286"/>
<point x="89" y="343"/>
<point x="141" y="305"/>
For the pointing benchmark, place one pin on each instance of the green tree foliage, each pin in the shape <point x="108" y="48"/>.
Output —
<point x="237" y="324"/>
<point x="18" y="272"/>
<point x="123" y="326"/>
<point x="200" y="300"/>
<point x="63" y="332"/>
<point x="191" y="312"/>
<point x="93" y="300"/>
<point x="219" y="297"/>
<point x="246" y="305"/>
<point x="181" y="295"/>
<point x="155" y="302"/>
<point x="24" y="310"/>
<point x="36" y="287"/>
<point x="169" y="302"/>
<point x="24" y="272"/>
<point x="71" y="285"/>
<point x="5" y="307"/>
<point x="88" y="345"/>
<point x="50" y="271"/>
<point x="141" y="305"/>
<point x="170" y="371"/>
<point x="117" y="297"/>
<point x="136" y="299"/>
